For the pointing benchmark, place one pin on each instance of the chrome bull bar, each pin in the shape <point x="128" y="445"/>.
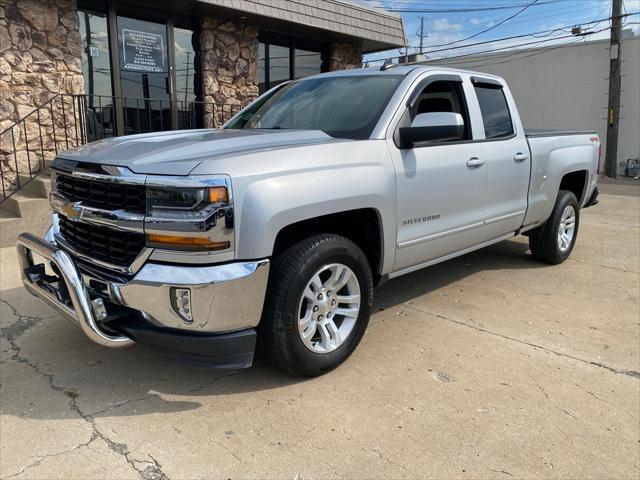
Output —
<point x="80" y="310"/>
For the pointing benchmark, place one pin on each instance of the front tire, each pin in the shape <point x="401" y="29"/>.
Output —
<point x="554" y="241"/>
<point x="317" y="306"/>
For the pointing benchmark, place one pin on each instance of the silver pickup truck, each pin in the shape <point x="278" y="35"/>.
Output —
<point x="273" y="231"/>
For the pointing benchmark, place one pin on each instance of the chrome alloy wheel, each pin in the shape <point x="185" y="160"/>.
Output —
<point x="329" y="308"/>
<point x="567" y="228"/>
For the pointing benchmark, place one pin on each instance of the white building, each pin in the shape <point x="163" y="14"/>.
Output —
<point x="566" y="87"/>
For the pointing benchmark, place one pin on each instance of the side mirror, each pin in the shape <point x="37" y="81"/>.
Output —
<point x="433" y="127"/>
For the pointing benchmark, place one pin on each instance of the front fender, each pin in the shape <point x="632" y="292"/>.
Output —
<point x="270" y="204"/>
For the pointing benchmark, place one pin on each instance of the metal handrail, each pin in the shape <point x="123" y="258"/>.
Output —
<point x="73" y="120"/>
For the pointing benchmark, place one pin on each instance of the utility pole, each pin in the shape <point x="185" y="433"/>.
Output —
<point x="613" y="110"/>
<point x="421" y="34"/>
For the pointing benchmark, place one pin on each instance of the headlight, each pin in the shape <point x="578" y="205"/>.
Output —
<point x="189" y="218"/>
<point x="185" y="203"/>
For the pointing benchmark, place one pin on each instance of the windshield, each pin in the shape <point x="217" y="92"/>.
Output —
<point x="342" y="107"/>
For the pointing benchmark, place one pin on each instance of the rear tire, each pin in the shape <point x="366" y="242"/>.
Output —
<point x="310" y="323"/>
<point x="553" y="242"/>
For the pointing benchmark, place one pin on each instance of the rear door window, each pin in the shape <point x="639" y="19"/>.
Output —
<point x="495" y="111"/>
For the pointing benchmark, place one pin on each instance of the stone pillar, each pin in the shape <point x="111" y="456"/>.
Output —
<point x="229" y="63"/>
<point x="40" y="56"/>
<point x="344" y="56"/>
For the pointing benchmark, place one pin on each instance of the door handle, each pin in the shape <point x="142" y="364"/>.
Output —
<point x="520" y="157"/>
<point x="475" y="162"/>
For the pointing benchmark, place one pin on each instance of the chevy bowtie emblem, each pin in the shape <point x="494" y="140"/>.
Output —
<point x="72" y="211"/>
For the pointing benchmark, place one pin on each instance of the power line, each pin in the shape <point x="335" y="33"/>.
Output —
<point x="468" y="9"/>
<point x="487" y="60"/>
<point x="533" y="34"/>
<point x="528" y="19"/>
<point x="490" y="28"/>
<point x="560" y="11"/>
<point x="508" y="47"/>
<point x="538" y="34"/>
<point x="521" y="45"/>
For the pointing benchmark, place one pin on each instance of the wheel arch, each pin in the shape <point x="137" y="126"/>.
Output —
<point x="575" y="182"/>
<point x="363" y="226"/>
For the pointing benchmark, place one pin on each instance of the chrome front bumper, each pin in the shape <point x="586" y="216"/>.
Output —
<point x="224" y="298"/>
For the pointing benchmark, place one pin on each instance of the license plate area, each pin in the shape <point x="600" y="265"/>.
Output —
<point x="46" y="276"/>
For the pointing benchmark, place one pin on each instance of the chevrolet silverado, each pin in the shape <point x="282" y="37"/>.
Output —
<point x="274" y="230"/>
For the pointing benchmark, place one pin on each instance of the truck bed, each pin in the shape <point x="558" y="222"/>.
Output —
<point x="546" y="132"/>
<point x="553" y="154"/>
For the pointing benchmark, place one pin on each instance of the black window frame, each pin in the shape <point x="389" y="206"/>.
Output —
<point x="287" y="41"/>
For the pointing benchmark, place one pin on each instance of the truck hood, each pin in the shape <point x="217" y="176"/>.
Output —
<point x="178" y="152"/>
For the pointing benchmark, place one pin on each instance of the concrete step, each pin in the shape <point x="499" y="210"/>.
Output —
<point x="39" y="185"/>
<point x="9" y="228"/>
<point x="23" y="212"/>
<point x="26" y="204"/>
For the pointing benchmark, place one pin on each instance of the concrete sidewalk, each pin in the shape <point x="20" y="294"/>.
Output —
<point x="488" y="366"/>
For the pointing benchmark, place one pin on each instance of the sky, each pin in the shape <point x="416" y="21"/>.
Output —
<point x="548" y="20"/>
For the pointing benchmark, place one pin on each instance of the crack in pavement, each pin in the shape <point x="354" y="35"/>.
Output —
<point x="150" y="470"/>
<point x="619" y="269"/>
<point x="42" y="458"/>
<point x="387" y="459"/>
<point x="630" y="373"/>
<point x="627" y="225"/>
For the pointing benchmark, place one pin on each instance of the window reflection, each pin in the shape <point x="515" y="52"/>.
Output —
<point x="306" y="63"/>
<point x="274" y="63"/>
<point x="185" y="64"/>
<point x="186" y="92"/>
<point x="278" y="65"/>
<point x="96" y="67"/>
<point x="262" y="62"/>
<point x="96" y="71"/>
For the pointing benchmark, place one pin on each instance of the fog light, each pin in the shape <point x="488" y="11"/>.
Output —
<point x="99" y="309"/>
<point x="181" y="303"/>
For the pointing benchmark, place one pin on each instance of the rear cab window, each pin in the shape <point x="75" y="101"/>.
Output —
<point x="496" y="116"/>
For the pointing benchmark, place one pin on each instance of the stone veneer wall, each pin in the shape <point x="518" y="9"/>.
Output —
<point x="344" y="56"/>
<point x="40" y="56"/>
<point x="229" y="64"/>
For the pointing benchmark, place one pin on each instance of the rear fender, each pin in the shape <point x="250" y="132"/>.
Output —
<point x="548" y="174"/>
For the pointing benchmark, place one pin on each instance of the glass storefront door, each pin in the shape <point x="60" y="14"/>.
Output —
<point x="96" y="70"/>
<point x="141" y="74"/>
<point x="145" y="76"/>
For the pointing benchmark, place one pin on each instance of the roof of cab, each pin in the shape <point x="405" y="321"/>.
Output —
<point x="398" y="70"/>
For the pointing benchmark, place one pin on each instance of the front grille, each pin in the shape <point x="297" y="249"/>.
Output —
<point x="102" y="243"/>
<point x="105" y="195"/>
